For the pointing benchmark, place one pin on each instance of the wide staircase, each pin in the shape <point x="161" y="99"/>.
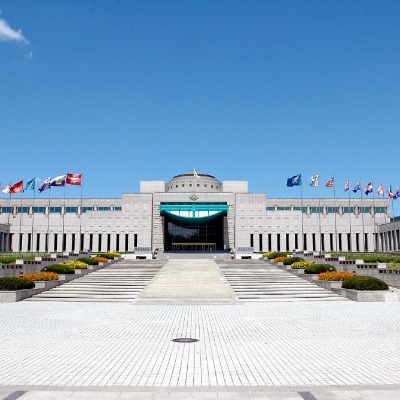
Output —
<point x="255" y="280"/>
<point x="120" y="282"/>
<point x="188" y="281"/>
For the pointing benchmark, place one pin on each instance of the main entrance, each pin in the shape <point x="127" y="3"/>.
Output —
<point x="194" y="226"/>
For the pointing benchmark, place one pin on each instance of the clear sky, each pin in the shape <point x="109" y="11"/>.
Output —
<point x="134" y="90"/>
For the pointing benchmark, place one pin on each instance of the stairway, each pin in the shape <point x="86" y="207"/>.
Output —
<point x="254" y="280"/>
<point x="120" y="282"/>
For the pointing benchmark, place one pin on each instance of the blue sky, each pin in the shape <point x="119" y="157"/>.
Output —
<point x="125" y="91"/>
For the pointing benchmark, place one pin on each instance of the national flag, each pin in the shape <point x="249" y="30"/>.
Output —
<point x="195" y="173"/>
<point x="314" y="180"/>
<point x="294" y="181"/>
<point x="73" y="179"/>
<point x="6" y="189"/>
<point x="397" y="194"/>
<point x="30" y="185"/>
<point x="58" y="181"/>
<point x="347" y="185"/>
<point x="357" y="187"/>
<point x="368" y="188"/>
<point x="380" y="189"/>
<point x="390" y="193"/>
<point x="45" y="185"/>
<point x="330" y="182"/>
<point x="17" y="187"/>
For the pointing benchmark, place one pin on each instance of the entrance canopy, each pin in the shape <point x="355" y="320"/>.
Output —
<point x="193" y="212"/>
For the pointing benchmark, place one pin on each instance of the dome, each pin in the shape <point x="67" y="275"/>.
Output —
<point x="194" y="181"/>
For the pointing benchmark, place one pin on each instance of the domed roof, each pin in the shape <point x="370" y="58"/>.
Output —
<point x="194" y="172"/>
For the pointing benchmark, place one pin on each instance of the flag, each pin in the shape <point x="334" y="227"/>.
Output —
<point x="6" y="189"/>
<point x="357" y="187"/>
<point x="390" y="193"/>
<point x="314" y="180"/>
<point x="30" y="185"/>
<point x="294" y="181"/>
<point x="195" y="173"/>
<point x="17" y="187"/>
<point x="368" y="188"/>
<point x="45" y="185"/>
<point x="397" y="194"/>
<point x="380" y="189"/>
<point x="347" y="185"/>
<point x="58" y="181"/>
<point x="74" y="179"/>
<point x="330" y="182"/>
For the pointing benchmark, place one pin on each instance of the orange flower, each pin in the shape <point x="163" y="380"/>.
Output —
<point x="334" y="276"/>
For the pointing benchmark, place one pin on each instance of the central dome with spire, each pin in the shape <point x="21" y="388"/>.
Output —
<point x="194" y="181"/>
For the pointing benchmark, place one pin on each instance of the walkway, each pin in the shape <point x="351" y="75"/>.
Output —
<point x="323" y="350"/>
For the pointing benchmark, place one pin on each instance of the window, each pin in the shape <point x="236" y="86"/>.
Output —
<point x="332" y="209"/>
<point x="84" y="209"/>
<point x="104" y="208"/>
<point x="55" y="210"/>
<point x="23" y="210"/>
<point x="71" y="209"/>
<point x="118" y="208"/>
<point x="38" y="210"/>
<point x="6" y="209"/>
<point x="380" y="210"/>
<point x="348" y="210"/>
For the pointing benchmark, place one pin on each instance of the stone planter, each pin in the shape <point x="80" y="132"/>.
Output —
<point x="46" y="285"/>
<point x="17" y="295"/>
<point x="369" y="295"/>
<point x="329" y="285"/>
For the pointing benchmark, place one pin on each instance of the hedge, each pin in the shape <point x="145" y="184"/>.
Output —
<point x="273" y="254"/>
<point x="15" y="283"/>
<point x="318" y="268"/>
<point x="364" y="283"/>
<point x="291" y="260"/>
<point x="59" y="269"/>
<point x="89" y="260"/>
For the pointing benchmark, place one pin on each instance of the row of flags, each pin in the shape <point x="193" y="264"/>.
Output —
<point x="296" y="181"/>
<point x="58" y="181"/>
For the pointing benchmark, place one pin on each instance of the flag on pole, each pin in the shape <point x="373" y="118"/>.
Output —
<point x="45" y="185"/>
<point x="380" y="189"/>
<point x="6" y="189"/>
<point x="314" y="180"/>
<point x="73" y="179"/>
<point x="58" y="181"/>
<point x="390" y="193"/>
<point x="17" y="187"/>
<point x="294" y="181"/>
<point x="368" y="188"/>
<point x="330" y="182"/>
<point x="357" y="187"/>
<point x="30" y="185"/>
<point x="397" y="194"/>
<point x="347" y="185"/>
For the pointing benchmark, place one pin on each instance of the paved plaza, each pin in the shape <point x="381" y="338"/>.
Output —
<point x="323" y="350"/>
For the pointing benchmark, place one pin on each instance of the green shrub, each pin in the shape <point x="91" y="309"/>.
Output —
<point x="291" y="260"/>
<point x="8" y="260"/>
<point x="109" y="256"/>
<point x="364" y="283"/>
<point x="274" y="254"/>
<point x="59" y="269"/>
<point x="15" y="283"/>
<point x="89" y="260"/>
<point x="318" y="268"/>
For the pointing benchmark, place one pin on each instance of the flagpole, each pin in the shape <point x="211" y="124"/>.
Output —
<point x="334" y="205"/>
<point x="81" y="242"/>
<point x="48" y="224"/>
<point x="362" y="219"/>
<point x="319" y="216"/>
<point x="351" y="239"/>
<point x="20" y="229"/>
<point x="64" y="244"/>
<point x="33" y="215"/>
<point x="373" y="207"/>
<point x="8" y="222"/>
<point x="302" y="217"/>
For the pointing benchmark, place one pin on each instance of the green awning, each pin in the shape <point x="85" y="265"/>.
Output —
<point x="193" y="212"/>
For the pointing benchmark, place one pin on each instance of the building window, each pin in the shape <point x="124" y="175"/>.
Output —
<point x="126" y="241"/>
<point x="55" y="242"/>
<point x="118" y="208"/>
<point x="278" y="241"/>
<point x="287" y="242"/>
<point x="84" y="209"/>
<point x="71" y="209"/>
<point x="251" y="240"/>
<point x="55" y="210"/>
<point x="24" y="210"/>
<point x="260" y="242"/>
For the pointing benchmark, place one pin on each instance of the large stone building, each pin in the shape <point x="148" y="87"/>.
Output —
<point x="196" y="212"/>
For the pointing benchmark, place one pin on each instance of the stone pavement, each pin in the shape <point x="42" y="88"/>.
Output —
<point x="283" y="350"/>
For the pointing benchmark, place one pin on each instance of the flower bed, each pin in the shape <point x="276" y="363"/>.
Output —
<point x="301" y="264"/>
<point x="41" y="276"/>
<point x="76" y="264"/>
<point x="280" y="259"/>
<point x="334" y="276"/>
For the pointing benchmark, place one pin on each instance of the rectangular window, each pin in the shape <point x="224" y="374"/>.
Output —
<point x="99" y="245"/>
<point x="322" y="242"/>
<point x="305" y="241"/>
<point x="260" y="242"/>
<point x="38" y="210"/>
<point x="251" y="240"/>
<point x="348" y="210"/>
<point x="366" y="242"/>
<point x="118" y="208"/>
<point x="37" y="241"/>
<point x="314" y="245"/>
<point x="296" y="241"/>
<point x="108" y="241"/>
<point x="349" y="242"/>
<point x="6" y="209"/>
<point x="29" y="242"/>
<point x="82" y="241"/>
<point x="21" y="210"/>
<point x="332" y="210"/>
<point x="117" y="242"/>
<point x="287" y="242"/>
<point x="126" y="241"/>
<point x="332" y="246"/>
<point x="102" y="208"/>
<point x="84" y="209"/>
<point x="71" y="210"/>
<point x="357" y="241"/>
<point x="91" y="242"/>
<point x="64" y="243"/>
<point x="340" y="241"/>
<point x="55" y="210"/>
<point x="46" y="242"/>
<point x="55" y="242"/>
<point x="278" y="241"/>
<point x="270" y="208"/>
<point x="20" y="242"/>
<point x="269" y="242"/>
<point x="73" y="242"/>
